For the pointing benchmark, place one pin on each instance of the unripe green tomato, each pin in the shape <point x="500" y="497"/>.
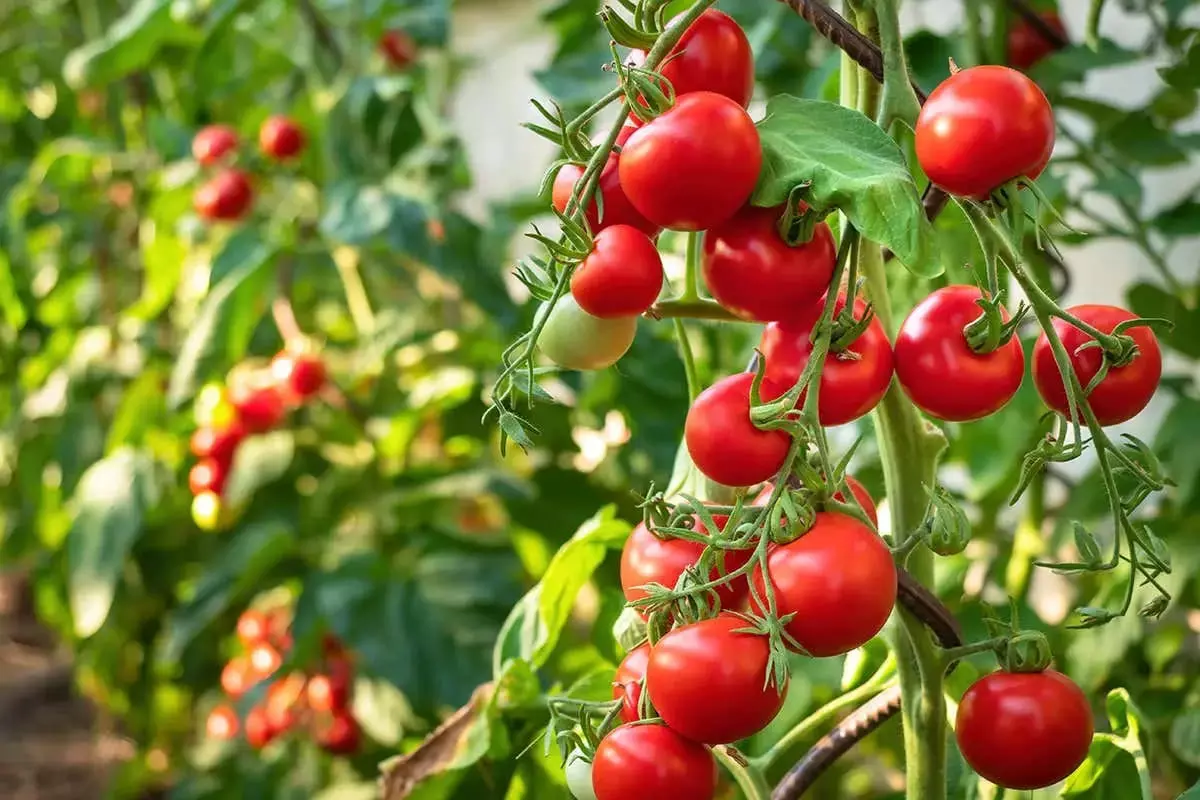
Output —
<point x="574" y="339"/>
<point x="213" y="408"/>
<point x="579" y="776"/>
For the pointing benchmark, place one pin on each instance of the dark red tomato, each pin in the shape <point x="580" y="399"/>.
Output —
<point x="258" y="409"/>
<point x="213" y="142"/>
<point x="341" y="737"/>
<point x="940" y="372"/>
<point x="219" y="444"/>
<point x="857" y="489"/>
<point x="328" y="692"/>
<point x="226" y="196"/>
<point x="621" y="277"/>
<point x="237" y="676"/>
<point x="280" y="138"/>
<point x="652" y="762"/>
<point x="222" y="723"/>
<point x="1125" y="391"/>
<point x="627" y="683"/>
<point x="708" y="682"/>
<point x="258" y="728"/>
<point x="982" y="127"/>
<point x="398" y="49"/>
<point x="852" y="382"/>
<point x="648" y="559"/>
<point x="714" y="55"/>
<point x="751" y="271"/>
<point x="722" y="441"/>
<point x="1024" y="730"/>
<point x="1027" y="45"/>
<point x="679" y="175"/>
<point x="298" y="375"/>
<point x="207" y="476"/>
<point x="617" y="208"/>
<point x="839" y="580"/>
<point x="253" y="628"/>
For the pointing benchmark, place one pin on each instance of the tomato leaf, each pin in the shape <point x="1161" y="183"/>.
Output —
<point x="1116" y="765"/>
<point x="1152" y="301"/>
<point x="259" y="461"/>
<point x="1185" y="737"/>
<point x="129" y="44"/>
<point x="853" y="166"/>
<point x="1182" y="219"/>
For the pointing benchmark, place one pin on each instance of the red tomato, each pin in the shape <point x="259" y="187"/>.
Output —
<point x="856" y="488"/>
<point x="222" y="723"/>
<point x="617" y="208"/>
<point x="627" y="683"/>
<point x="621" y="277"/>
<point x="213" y="142"/>
<point x="219" y="444"/>
<point x="226" y="196"/>
<point x="708" y="682"/>
<point x="282" y="699"/>
<point x="839" y="580"/>
<point x="852" y="383"/>
<point x="652" y="762"/>
<point x="258" y="729"/>
<point x="237" y="676"/>
<point x="264" y="661"/>
<point x="298" y="375"/>
<point x="723" y="442"/>
<point x="940" y="372"/>
<point x="1027" y="45"/>
<point x="341" y="737"/>
<point x="328" y="692"/>
<point x="258" y="409"/>
<point x="713" y="55"/>
<point x="1125" y="391"/>
<point x="1024" y="730"/>
<point x="751" y="271"/>
<point x="648" y="559"/>
<point x="680" y="175"/>
<point x="280" y="138"/>
<point x="398" y="49"/>
<point x="207" y="476"/>
<point x="253" y="628"/>
<point x="983" y="127"/>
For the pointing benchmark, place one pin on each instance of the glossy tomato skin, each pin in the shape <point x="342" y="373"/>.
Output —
<point x="652" y="762"/>
<point x="328" y="692"/>
<point x="258" y="728"/>
<point x="574" y="339"/>
<point x="982" y="127"/>
<point x="713" y="55"/>
<point x="398" y="49"/>
<point x="259" y="409"/>
<point x="342" y="736"/>
<point x="222" y="723"/>
<point x="940" y="372"/>
<point x="207" y="475"/>
<point x="280" y="138"/>
<point x="253" y="628"/>
<point x="300" y="375"/>
<point x="839" y="580"/>
<point x="1027" y="46"/>
<point x="752" y="271"/>
<point x="708" y="682"/>
<point x="627" y="682"/>
<point x="219" y="444"/>
<point x="680" y="175"/>
<point x="212" y="143"/>
<point x="1125" y="391"/>
<point x="621" y="277"/>
<point x="617" y="208"/>
<point x="856" y="488"/>
<point x="852" y="383"/>
<point x="1024" y="730"/>
<point x="237" y="676"/>
<point x="225" y="197"/>
<point x="722" y="441"/>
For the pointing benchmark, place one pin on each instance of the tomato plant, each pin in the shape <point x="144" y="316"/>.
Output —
<point x="647" y="559"/>
<point x="574" y="339"/>
<point x="640" y="762"/>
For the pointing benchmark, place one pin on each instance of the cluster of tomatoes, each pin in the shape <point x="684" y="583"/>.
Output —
<point x="253" y="404"/>
<point x="228" y="194"/>
<point x="318" y="701"/>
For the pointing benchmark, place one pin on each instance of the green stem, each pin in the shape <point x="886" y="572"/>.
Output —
<point x="973" y="13"/>
<point x="689" y="361"/>
<point x="691" y="278"/>
<point x="692" y="309"/>
<point x="1028" y="543"/>
<point x="357" y="299"/>
<point x="749" y="779"/>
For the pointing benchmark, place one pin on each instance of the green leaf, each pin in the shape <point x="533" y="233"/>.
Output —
<point x="1150" y="300"/>
<point x="1184" y="74"/>
<point x="355" y="213"/>
<point x="1185" y="737"/>
<point x="853" y="166"/>
<point x="141" y="408"/>
<point x="1182" y="219"/>
<point x="1191" y="794"/>
<point x="1116" y="765"/>
<point x="259" y="460"/>
<point x="382" y="710"/>
<point x="129" y="44"/>
<point x="1073" y="64"/>
<point x="1139" y="139"/>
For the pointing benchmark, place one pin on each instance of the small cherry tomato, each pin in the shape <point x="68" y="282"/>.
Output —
<point x="212" y="408"/>
<point x="264" y="661"/>
<point x="283" y="697"/>
<point x="222" y="723"/>
<point x="259" y="409"/>
<point x="207" y="475"/>
<point x="627" y="683"/>
<point x="1027" y="45"/>
<point x="281" y="138"/>
<point x="258" y="728"/>
<point x="856" y="488"/>
<point x="723" y="442"/>
<point x="708" y="681"/>
<point x="621" y="277"/>
<point x="298" y="375"/>
<point x="579" y="776"/>
<point x="328" y="692"/>
<point x="253" y="628"/>
<point x="212" y="143"/>
<point x="206" y="511"/>
<point x="574" y="339"/>
<point x="225" y="197"/>
<point x="617" y="210"/>
<point x="713" y="55"/>
<point x="1124" y="391"/>
<point x="940" y="372"/>
<point x="219" y="444"/>
<point x="982" y="127"/>
<point x="652" y="762"/>
<point x="341" y="736"/>
<point x="1024" y="730"/>
<point x="754" y="273"/>
<point x="839" y="580"/>
<point x="237" y="676"/>
<point x="398" y="49"/>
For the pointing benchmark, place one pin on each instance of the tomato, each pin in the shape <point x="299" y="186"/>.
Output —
<point x="574" y="339"/>
<point x="940" y="372"/>
<point x="212" y="408"/>
<point x="264" y="660"/>
<point x="1027" y="45"/>
<point x="617" y="210"/>
<point x="282" y="699"/>
<point x="298" y="375"/>
<point x="237" y="676"/>
<point x="226" y="196"/>
<point x="579" y="776"/>
<point x="856" y="488"/>
<point x="680" y="175"/>
<point x="207" y="511"/>
<point x="260" y="408"/>
<point x="722" y="441"/>
<point x="1024" y="730"/>
<point x="713" y="55"/>
<point x="280" y="138"/>
<point x="839" y="580"/>
<point x="627" y="683"/>
<point x="621" y="277"/>
<point x="222" y="723"/>
<point x="341" y="737"/>
<point x="652" y="762"/>
<point x="708" y="682"/>
<point x="258" y="729"/>
<point x="328" y="692"/>
<point x="752" y="271"/>
<point x="852" y="383"/>
<point x="207" y="476"/>
<point x="213" y="142"/>
<point x="398" y="49"/>
<point x="219" y="444"/>
<point x="1125" y="391"/>
<point x="253" y="628"/>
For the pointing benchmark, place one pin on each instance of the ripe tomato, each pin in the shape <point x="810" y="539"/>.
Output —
<point x="852" y="382"/>
<point x="723" y="442"/>
<point x="258" y="729"/>
<point x="752" y="271"/>
<point x="713" y="55"/>
<point x="1125" y="391"/>
<point x="328" y="692"/>
<point x="207" y="511"/>
<point x="982" y="127"/>
<point x="341" y="736"/>
<point x="708" y="682"/>
<point x="226" y="196"/>
<point x="627" y="683"/>
<point x="253" y="628"/>
<point x="282" y="698"/>
<point x="574" y="339"/>
<point x="617" y="208"/>
<point x="219" y="444"/>
<point x="856" y="488"/>
<point x="681" y="176"/>
<point x="1024" y="730"/>
<point x="652" y="762"/>
<point x="259" y="409"/>
<point x="940" y="372"/>
<point x="222" y="723"/>
<point x="280" y="138"/>
<point x="298" y="375"/>
<point x="839" y="580"/>
<point x="1027" y="46"/>
<point x="264" y="660"/>
<point x="237" y="676"/>
<point x="621" y="277"/>
<point x="398" y="49"/>
<point x="212" y="143"/>
<point x="207" y="476"/>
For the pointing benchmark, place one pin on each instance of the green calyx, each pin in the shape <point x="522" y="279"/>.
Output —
<point x="1028" y="651"/>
